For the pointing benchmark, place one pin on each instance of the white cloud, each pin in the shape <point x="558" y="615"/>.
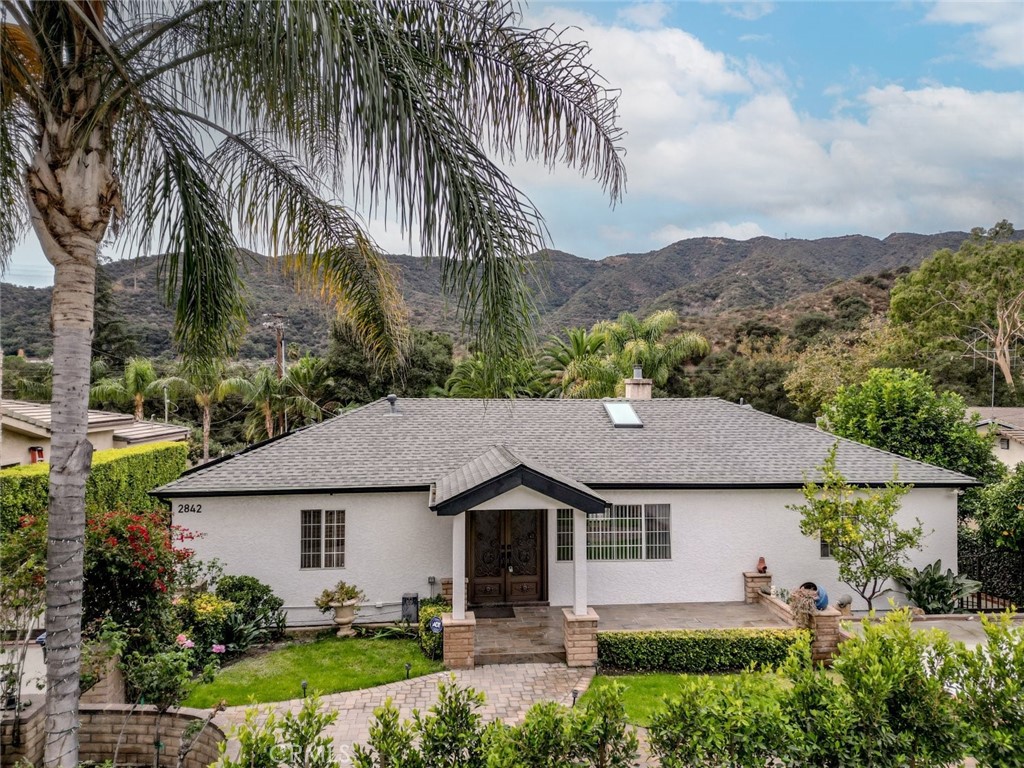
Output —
<point x="644" y="14"/>
<point x="749" y="11"/>
<point x="673" y="234"/>
<point x="715" y="140"/>
<point x="996" y="40"/>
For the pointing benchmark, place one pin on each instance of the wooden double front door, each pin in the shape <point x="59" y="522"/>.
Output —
<point x="506" y="556"/>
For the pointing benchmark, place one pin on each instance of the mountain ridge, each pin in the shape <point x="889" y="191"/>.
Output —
<point x="698" y="277"/>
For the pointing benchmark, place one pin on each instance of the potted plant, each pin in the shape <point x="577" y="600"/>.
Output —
<point x="343" y="599"/>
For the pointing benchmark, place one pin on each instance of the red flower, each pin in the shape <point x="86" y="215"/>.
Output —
<point x="111" y="541"/>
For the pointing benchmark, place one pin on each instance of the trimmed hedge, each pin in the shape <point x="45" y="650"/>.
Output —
<point x="120" y="478"/>
<point x="695" y="651"/>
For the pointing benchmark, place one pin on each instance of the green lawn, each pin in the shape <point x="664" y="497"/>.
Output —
<point x="642" y="695"/>
<point x="329" y="664"/>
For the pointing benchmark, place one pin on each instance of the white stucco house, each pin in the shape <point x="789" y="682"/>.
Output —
<point x="567" y="502"/>
<point x="1008" y="425"/>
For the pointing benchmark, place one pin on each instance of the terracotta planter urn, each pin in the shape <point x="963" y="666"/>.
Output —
<point x="344" y="615"/>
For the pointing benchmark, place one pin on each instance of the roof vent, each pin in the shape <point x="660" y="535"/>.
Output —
<point x="393" y="402"/>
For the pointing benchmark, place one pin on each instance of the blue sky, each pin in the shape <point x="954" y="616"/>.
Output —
<point x="799" y="119"/>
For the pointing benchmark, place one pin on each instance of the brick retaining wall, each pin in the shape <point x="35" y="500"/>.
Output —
<point x="101" y="725"/>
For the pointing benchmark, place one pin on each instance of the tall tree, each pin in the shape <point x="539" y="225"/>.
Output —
<point x="973" y="298"/>
<point x="107" y="111"/>
<point x="647" y="343"/>
<point x="307" y="392"/>
<point x="263" y="392"/>
<point x="897" y="410"/>
<point x="578" y="365"/>
<point x="506" y="378"/>
<point x="133" y="387"/>
<point x="203" y="381"/>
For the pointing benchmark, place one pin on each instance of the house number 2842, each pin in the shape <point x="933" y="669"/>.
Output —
<point x="196" y="508"/>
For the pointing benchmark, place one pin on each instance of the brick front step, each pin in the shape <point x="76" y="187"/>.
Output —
<point x="539" y="656"/>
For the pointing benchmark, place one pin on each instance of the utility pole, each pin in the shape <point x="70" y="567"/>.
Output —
<point x="276" y="322"/>
<point x="165" y="403"/>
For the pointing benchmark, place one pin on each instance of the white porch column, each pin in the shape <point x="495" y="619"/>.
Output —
<point x="579" y="562"/>
<point x="459" y="566"/>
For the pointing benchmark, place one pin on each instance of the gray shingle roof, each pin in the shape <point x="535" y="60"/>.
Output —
<point x="699" y="442"/>
<point x="489" y="465"/>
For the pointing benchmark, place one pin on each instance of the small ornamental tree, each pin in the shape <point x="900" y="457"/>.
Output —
<point x="860" y="527"/>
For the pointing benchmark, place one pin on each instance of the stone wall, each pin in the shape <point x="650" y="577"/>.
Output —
<point x="580" y="638"/>
<point x="825" y="629"/>
<point x="459" y="641"/>
<point x="102" y="725"/>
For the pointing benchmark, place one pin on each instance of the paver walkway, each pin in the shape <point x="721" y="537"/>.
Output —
<point x="510" y="690"/>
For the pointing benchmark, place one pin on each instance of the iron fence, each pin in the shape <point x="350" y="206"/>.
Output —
<point x="1001" y="573"/>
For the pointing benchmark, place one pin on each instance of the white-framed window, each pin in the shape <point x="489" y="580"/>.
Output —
<point x="627" y="532"/>
<point x="563" y="535"/>
<point x="322" y="538"/>
<point x="826" y="548"/>
<point x="1004" y="443"/>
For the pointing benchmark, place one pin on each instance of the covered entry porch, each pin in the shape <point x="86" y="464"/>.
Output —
<point x="499" y="505"/>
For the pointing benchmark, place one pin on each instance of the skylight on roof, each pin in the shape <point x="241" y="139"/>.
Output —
<point x="622" y="414"/>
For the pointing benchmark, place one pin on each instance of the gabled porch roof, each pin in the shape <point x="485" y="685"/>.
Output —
<point x="499" y="470"/>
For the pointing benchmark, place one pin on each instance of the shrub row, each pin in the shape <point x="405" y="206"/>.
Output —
<point x="695" y="650"/>
<point x="896" y="696"/>
<point x="120" y="478"/>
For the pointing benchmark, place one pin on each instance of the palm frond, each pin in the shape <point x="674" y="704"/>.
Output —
<point x="174" y="202"/>
<point x="323" y="246"/>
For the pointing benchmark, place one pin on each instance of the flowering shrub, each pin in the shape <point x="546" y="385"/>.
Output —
<point x="129" y="573"/>
<point x="202" y="617"/>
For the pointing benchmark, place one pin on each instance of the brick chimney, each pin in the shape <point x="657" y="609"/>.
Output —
<point x="638" y="388"/>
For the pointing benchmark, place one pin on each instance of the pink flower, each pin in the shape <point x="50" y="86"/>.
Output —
<point x="184" y="642"/>
<point x="218" y="648"/>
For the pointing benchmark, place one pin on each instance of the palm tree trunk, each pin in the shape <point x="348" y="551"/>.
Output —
<point x="138" y="407"/>
<point x="71" y="195"/>
<point x="268" y="420"/>
<point x="71" y="456"/>
<point x="206" y="433"/>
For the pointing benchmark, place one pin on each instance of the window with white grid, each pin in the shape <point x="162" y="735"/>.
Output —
<point x="563" y="535"/>
<point x="628" y="532"/>
<point x="657" y="533"/>
<point x="322" y="538"/>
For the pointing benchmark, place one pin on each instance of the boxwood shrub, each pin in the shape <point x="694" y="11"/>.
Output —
<point x="695" y="651"/>
<point x="120" y="478"/>
<point x="432" y="643"/>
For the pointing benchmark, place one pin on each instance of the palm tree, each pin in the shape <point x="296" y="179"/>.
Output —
<point x="506" y="378"/>
<point x="203" y="381"/>
<point x="579" y="367"/>
<point x="632" y="342"/>
<point x="307" y="392"/>
<point x="262" y="392"/>
<point x="136" y="383"/>
<point x="108" y="112"/>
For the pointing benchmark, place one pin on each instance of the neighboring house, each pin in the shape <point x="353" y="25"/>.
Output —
<point x="568" y="502"/>
<point x="25" y="430"/>
<point x="1008" y="425"/>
